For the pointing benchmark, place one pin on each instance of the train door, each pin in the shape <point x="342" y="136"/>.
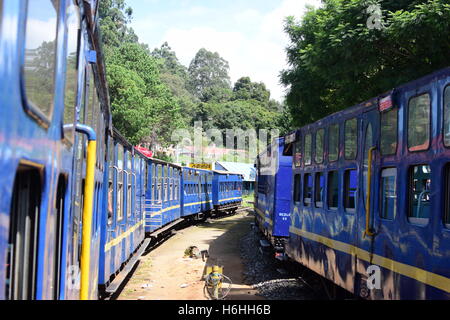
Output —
<point x="369" y="189"/>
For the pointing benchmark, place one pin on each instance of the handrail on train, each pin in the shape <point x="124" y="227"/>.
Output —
<point x="368" y="231"/>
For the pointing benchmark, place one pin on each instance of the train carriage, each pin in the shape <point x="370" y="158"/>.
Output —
<point x="227" y="190"/>
<point x="163" y="197"/>
<point x="370" y="189"/>
<point x="273" y="193"/>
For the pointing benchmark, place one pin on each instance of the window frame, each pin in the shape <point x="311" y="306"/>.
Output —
<point x="323" y="146"/>
<point x="318" y="204"/>
<point x="305" y="181"/>
<point x="382" y="195"/>
<point x="346" y="189"/>
<point x="412" y="219"/>
<point x="329" y="190"/>
<point x="443" y="115"/>
<point x="310" y="150"/>
<point x="430" y="127"/>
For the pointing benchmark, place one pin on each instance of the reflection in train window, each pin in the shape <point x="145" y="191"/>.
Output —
<point x="447" y="116"/>
<point x="419" y="112"/>
<point x="333" y="142"/>
<point x="388" y="136"/>
<point x="388" y="193"/>
<point x="419" y="193"/>
<point x="308" y="145"/>
<point x="333" y="190"/>
<point x="320" y="136"/>
<point x="351" y="139"/>
<point x="40" y="54"/>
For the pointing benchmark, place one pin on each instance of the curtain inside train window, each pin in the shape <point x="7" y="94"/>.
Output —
<point x="40" y="54"/>
<point x="419" y="111"/>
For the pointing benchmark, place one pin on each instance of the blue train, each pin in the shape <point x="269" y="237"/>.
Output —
<point x="78" y="203"/>
<point x="370" y="194"/>
<point x="272" y="197"/>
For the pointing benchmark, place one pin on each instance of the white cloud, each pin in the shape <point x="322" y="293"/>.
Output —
<point x="258" y="53"/>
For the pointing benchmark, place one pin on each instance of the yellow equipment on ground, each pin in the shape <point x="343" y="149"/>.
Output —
<point x="214" y="280"/>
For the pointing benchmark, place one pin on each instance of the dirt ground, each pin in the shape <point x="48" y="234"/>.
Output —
<point x="164" y="273"/>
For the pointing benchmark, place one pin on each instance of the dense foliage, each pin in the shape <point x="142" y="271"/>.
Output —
<point x="336" y="60"/>
<point x="152" y="93"/>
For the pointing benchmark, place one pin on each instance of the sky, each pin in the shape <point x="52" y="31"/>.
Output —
<point x="247" y="33"/>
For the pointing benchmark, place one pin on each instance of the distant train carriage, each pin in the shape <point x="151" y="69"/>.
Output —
<point x="273" y="193"/>
<point x="163" y="197"/>
<point x="371" y="188"/>
<point x="227" y="191"/>
<point x="197" y="192"/>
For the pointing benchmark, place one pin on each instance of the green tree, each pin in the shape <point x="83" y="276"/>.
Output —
<point x="208" y="71"/>
<point x="337" y="61"/>
<point x="245" y="89"/>
<point x="115" y="16"/>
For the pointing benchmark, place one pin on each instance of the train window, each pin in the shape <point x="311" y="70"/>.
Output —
<point x="307" y="190"/>
<point x="40" y="54"/>
<point x="419" y="112"/>
<point x="388" y="193"/>
<point x="298" y="154"/>
<point x="447" y="197"/>
<point x="129" y="194"/>
<point x="120" y="176"/>
<point x="320" y="135"/>
<point x="350" y="188"/>
<point x="333" y="142"/>
<point x="308" y="145"/>
<point x="447" y="116"/>
<point x="70" y="92"/>
<point x="419" y="194"/>
<point x="351" y="139"/>
<point x="388" y="136"/>
<point x="333" y="190"/>
<point x="319" y="188"/>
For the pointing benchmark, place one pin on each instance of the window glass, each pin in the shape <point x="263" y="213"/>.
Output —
<point x="40" y="54"/>
<point x="447" y="116"/>
<point x="351" y="139"/>
<point x="388" y="193"/>
<point x="298" y="154"/>
<point x="350" y="188"/>
<point x="307" y="190"/>
<point x="333" y="145"/>
<point x="297" y="187"/>
<point x="333" y="190"/>
<point x="447" y="197"/>
<point x="308" y="145"/>
<point x="419" y="123"/>
<point x="320" y="135"/>
<point x="368" y="143"/>
<point x="70" y="92"/>
<point x="319" y="188"/>
<point x="388" y="138"/>
<point x="419" y="193"/>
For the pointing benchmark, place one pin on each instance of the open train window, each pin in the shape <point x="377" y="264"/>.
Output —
<point x="40" y="58"/>
<point x="351" y="139"/>
<point x="419" y="194"/>
<point x="320" y="136"/>
<point x="298" y="154"/>
<point x="446" y="130"/>
<point x="307" y="190"/>
<point x="350" y="189"/>
<point x="297" y="188"/>
<point x="120" y="181"/>
<point x="333" y="142"/>
<point x="308" y="146"/>
<point x="388" y="135"/>
<point x="419" y="118"/>
<point x="388" y="193"/>
<point x="333" y="190"/>
<point x="318" y="189"/>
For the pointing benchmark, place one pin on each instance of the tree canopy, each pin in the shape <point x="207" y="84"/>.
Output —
<point x="336" y="60"/>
